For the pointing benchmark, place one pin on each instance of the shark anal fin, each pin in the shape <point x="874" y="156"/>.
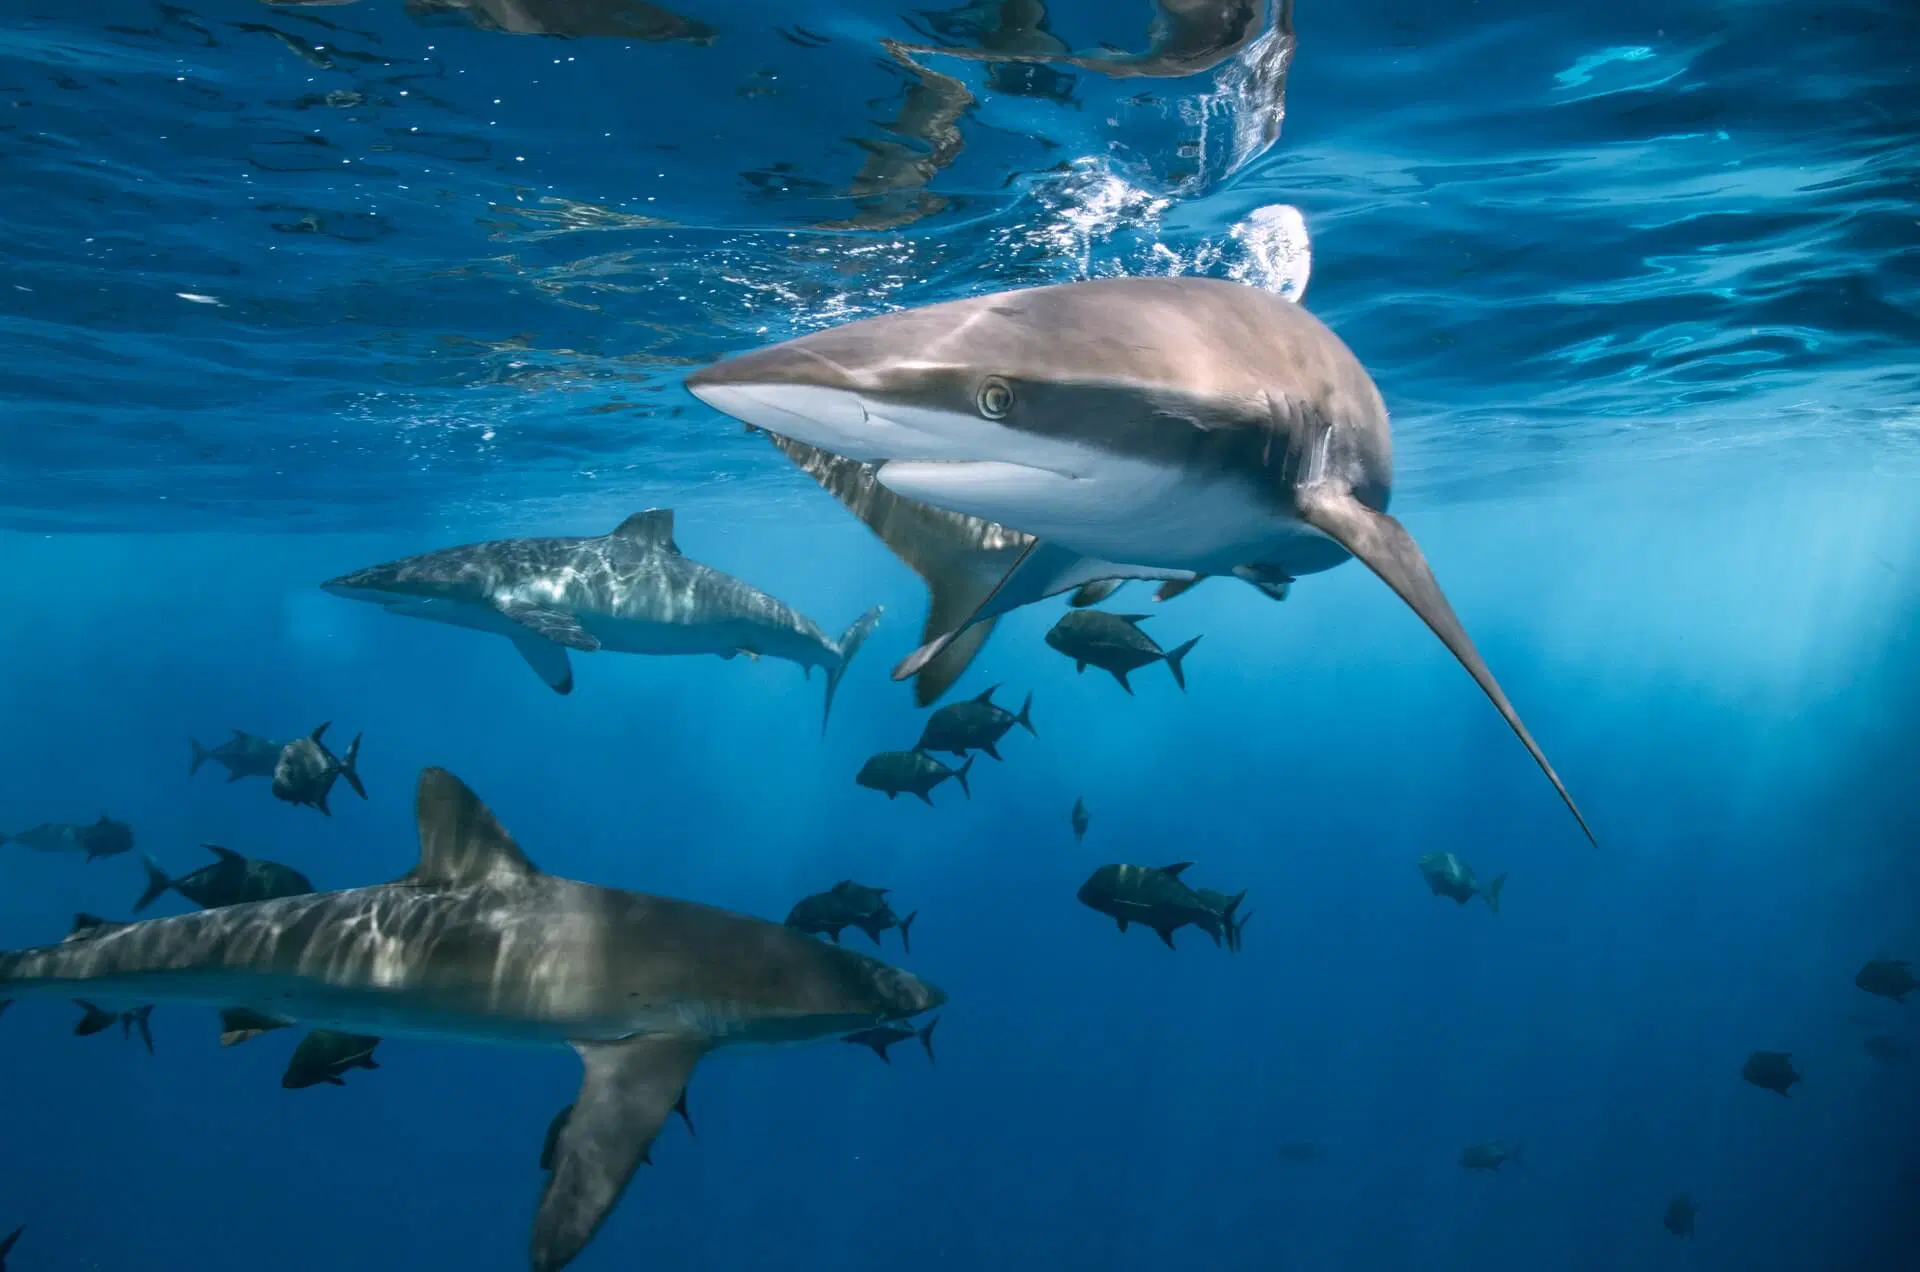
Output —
<point x="654" y="526"/>
<point x="629" y="1090"/>
<point x="556" y="625"/>
<point x="461" y="842"/>
<point x="548" y="660"/>
<point x="1386" y="548"/>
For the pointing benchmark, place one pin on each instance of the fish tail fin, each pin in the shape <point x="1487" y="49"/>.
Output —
<point x="349" y="767"/>
<point x="1492" y="894"/>
<point x="7" y="1243"/>
<point x="1384" y="546"/>
<point x="200" y="756"/>
<point x="1174" y="659"/>
<point x="157" y="883"/>
<point x="1238" y="928"/>
<point x="906" y="924"/>
<point x="1227" y="921"/>
<point x="847" y="646"/>
<point x="926" y="1038"/>
<point x="1025" y="718"/>
<point x="961" y="774"/>
<point x="93" y="1020"/>
<point x="137" y="1019"/>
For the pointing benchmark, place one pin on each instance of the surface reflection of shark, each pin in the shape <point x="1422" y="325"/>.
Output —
<point x="1163" y="428"/>
<point x="631" y="591"/>
<point x="475" y="944"/>
<point x="614" y="19"/>
<point x="1186" y="37"/>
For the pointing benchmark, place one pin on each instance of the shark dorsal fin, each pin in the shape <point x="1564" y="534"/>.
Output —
<point x="461" y="842"/>
<point x="654" y="526"/>
<point x="87" y="926"/>
<point x="1175" y="868"/>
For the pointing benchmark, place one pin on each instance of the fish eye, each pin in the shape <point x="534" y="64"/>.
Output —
<point x="995" y="398"/>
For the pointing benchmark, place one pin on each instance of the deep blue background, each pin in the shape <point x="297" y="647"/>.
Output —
<point x="1648" y="335"/>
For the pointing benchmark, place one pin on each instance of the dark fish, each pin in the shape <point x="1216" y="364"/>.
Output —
<point x="1887" y="977"/>
<point x="230" y="880"/>
<point x="96" y="1019"/>
<point x="880" y="1037"/>
<point x="306" y="770"/>
<point x="104" y="838"/>
<point x="974" y="725"/>
<point x="324" y="1055"/>
<point x="242" y="755"/>
<point x="1079" y="819"/>
<point x="6" y="1246"/>
<point x="1490" y="1156"/>
<point x="1114" y="643"/>
<point x="1448" y="876"/>
<point x="1770" y="1071"/>
<point x="1885" y="1048"/>
<point x="849" y="904"/>
<point x="910" y="773"/>
<point x="1155" y="897"/>
<point x="1679" y="1217"/>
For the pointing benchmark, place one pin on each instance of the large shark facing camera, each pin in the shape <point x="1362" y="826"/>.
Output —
<point x="632" y="591"/>
<point x="475" y="944"/>
<point x="1161" y="428"/>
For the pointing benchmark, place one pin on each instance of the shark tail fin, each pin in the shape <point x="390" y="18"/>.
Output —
<point x="93" y="1019"/>
<point x="847" y="646"/>
<point x="926" y="1038"/>
<point x="1492" y="894"/>
<point x="906" y="924"/>
<point x="1384" y="546"/>
<point x="1174" y="659"/>
<point x="349" y="767"/>
<point x="157" y="883"/>
<point x="200" y="756"/>
<point x="1025" y="718"/>
<point x="961" y="774"/>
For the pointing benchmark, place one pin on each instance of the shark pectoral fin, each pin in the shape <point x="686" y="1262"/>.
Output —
<point x="462" y="843"/>
<point x="1386" y="548"/>
<point x="630" y="1088"/>
<point x="548" y="660"/>
<point x="556" y="625"/>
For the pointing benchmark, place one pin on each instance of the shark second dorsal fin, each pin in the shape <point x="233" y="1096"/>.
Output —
<point x="87" y="926"/>
<point x="654" y="526"/>
<point x="461" y="842"/>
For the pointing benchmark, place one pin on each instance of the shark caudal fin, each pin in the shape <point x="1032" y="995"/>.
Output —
<point x="200" y="756"/>
<point x="157" y="884"/>
<point x="1384" y="546"/>
<point x="349" y="769"/>
<point x="846" y="647"/>
<point x="1492" y="894"/>
<point x="1175" y="657"/>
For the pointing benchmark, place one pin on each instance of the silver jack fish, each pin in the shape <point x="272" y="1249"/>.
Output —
<point x="475" y="944"/>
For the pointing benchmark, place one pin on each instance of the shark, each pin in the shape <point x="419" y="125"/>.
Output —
<point x="1170" y="428"/>
<point x="631" y="591"/>
<point x="476" y="944"/>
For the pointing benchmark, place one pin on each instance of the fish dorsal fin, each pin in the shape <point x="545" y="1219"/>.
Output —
<point x="224" y="854"/>
<point x="461" y="842"/>
<point x="87" y="926"/>
<point x="1175" y="868"/>
<point x="654" y="526"/>
<point x="316" y="735"/>
<point x="986" y="695"/>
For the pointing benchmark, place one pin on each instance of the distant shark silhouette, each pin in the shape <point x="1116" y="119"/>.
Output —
<point x="631" y="591"/>
<point x="475" y="944"/>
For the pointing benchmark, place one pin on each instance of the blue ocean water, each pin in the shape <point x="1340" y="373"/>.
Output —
<point x="290" y="289"/>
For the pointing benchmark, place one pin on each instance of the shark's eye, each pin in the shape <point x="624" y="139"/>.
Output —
<point x="995" y="398"/>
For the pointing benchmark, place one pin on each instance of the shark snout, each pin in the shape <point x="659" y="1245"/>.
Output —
<point x="907" y="995"/>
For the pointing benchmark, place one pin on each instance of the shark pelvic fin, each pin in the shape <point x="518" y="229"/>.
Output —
<point x="654" y="526"/>
<point x="1095" y="592"/>
<point x="1384" y="546"/>
<point x="461" y="842"/>
<point x="548" y="660"/>
<point x="551" y="624"/>
<point x="630" y="1088"/>
<point x="1041" y="570"/>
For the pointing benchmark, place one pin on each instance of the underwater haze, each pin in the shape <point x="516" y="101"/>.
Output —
<point x="291" y="289"/>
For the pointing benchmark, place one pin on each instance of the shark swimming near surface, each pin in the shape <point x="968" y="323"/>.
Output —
<point x="476" y="944"/>
<point x="1172" y="428"/>
<point x="631" y="591"/>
